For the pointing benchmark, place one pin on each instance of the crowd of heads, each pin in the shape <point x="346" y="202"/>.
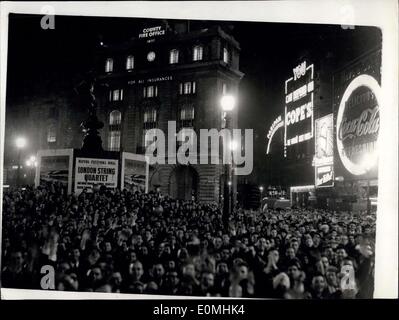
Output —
<point x="131" y="242"/>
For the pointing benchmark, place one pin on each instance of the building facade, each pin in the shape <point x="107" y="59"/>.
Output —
<point x="169" y="72"/>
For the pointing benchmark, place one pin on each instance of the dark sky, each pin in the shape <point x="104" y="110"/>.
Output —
<point x="42" y="61"/>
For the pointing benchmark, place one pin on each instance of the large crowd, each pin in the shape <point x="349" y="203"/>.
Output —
<point x="130" y="242"/>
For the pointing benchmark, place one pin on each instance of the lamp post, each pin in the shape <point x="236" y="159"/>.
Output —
<point x="20" y="143"/>
<point x="31" y="163"/>
<point x="227" y="103"/>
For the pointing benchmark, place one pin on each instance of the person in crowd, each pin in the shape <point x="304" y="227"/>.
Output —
<point x="132" y="242"/>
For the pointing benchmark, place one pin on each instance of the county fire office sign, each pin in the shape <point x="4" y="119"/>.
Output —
<point x="91" y="173"/>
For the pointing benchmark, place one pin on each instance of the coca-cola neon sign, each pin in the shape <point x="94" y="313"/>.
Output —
<point x="358" y="123"/>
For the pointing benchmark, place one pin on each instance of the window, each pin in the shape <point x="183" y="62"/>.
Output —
<point x="148" y="137"/>
<point x="150" y="116"/>
<point x="187" y="113"/>
<point x="51" y="133"/>
<point x="116" y="95"/>
<point x="187" y="87"/>
<point x="174" y="56"/>
<point x="197" y="53"/>
<point x="129" y="63"/>
<point x="109" y="65"/>
<point x="114" y="140"/>
<point x="225" y="55"/>
<point x="150" y="91"/>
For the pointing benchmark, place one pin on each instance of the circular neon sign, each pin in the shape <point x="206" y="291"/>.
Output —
<point x="358" y="123"/>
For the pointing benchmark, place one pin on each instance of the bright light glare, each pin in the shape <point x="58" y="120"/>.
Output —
<point x="233" y="145"/>
<point x="20" y="142"/>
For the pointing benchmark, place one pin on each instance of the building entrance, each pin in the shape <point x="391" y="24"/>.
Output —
<point x="183" y="183"/>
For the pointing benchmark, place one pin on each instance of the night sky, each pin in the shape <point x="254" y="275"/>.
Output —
<point x="41" y="61"/>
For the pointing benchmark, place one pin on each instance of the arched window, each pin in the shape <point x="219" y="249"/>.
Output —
<point x="226" y="55"/>
<point x="114" y="140"/>
<point x="109" y="65"/>
<point x="51" y="133"/>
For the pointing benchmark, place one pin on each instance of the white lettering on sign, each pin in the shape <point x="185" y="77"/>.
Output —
<point x="152" y="32"/>
<point x="299" y="71"/>
<point x="301" y="113"/>
<point x="299" y="93"/>
<point x="367" y="123"/>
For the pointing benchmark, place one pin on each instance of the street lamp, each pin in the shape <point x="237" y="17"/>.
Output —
<point x="227" y="103"/>
<point x="261" y="196"/>
<point x="31" y="163"/>
<point x="20" y="143"/>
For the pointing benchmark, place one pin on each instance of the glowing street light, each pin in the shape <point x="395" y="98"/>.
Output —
<point x="233" y="145"/>
<point x="228" y="103"/>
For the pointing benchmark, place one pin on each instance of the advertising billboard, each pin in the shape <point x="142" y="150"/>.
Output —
<point x="324" y="151"/>
<point x="90" y="173"/>
<point x="357" y="108"/>
<point x="298" y="117"/>
<point x="135" y="170"/>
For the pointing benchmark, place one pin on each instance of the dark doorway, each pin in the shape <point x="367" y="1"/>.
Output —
<point x="183" y="183"/>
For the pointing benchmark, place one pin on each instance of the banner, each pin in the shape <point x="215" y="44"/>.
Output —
<point x="90" y="173"/>
<point x="135" y="169"/>
<point x="324" y="176"/>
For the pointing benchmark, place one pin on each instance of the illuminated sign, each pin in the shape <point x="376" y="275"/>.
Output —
<point x="324" y="142"/>
<point x="94" y="172"/>
<point x="298" y="116"/>
<point x="151" y="32"/>
<point x="358" y="123"/>
<point x="150" y="80"/>
<point x="277" y="124"/>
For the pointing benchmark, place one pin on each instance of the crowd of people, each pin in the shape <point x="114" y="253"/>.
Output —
<point x="130" y="242"/>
